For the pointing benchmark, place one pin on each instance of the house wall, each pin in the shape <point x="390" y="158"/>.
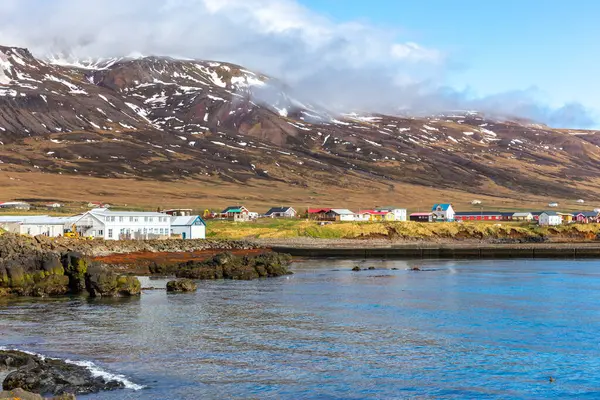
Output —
<point x="124" y="227"/>
<point x="550" y="219"/>
<point x="191" y="232"/>
<point x="399" y="214"/>
<point x="52" y="230"/>
<point x="345" y="217"/>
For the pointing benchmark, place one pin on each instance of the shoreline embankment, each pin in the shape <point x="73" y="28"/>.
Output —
<point x="572" y="251"/>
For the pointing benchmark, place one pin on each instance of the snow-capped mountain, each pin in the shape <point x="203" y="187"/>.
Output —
<point x="157" y="117"/>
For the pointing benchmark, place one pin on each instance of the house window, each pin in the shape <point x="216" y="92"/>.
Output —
<point x="145" y="219"/>
<point x="162" y="231"/>
<point x="110" y="233"/>
<point x="100" y="232"/>
<point x="121" y="219"/>
<point x="130" y="219"/>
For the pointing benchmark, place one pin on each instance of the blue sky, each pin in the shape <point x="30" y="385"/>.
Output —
<point x="497" y="46"/>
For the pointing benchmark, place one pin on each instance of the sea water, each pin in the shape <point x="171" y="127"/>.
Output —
<point x="454" y="329"/>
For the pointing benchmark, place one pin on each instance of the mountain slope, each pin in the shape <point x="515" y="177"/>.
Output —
<point x="165" y="119"/>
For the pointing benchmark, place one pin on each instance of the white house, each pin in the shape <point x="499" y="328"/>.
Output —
<point x="115" y="225"/>
<point x="522" y="216"/>
<point x="16" y="205"/>
<point x="399" y="213"/>
<point x="38" y="225"/>
<point x="281" y="212"/>
<point x="342" y="214"/>
<point x="189" y="227"/>
<point x="550" y="218"/>
<point x="442" y="212"/>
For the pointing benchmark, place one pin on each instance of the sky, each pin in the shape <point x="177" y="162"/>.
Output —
<point x="535" y="59"/>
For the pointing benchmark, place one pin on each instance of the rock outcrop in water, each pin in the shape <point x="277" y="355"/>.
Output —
<point x="28" y="270"/>
<point x="182" y="285"/>
<point x="229" y="266"/>
<point x="42" y="375"/>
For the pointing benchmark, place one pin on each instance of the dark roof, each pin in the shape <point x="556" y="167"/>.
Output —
<point x="232" y="209"/>
<point x="549" y="213"/>
<point x="536" y="213"/>
<point x="586" y="213"/>
<point x="274" y="210"/>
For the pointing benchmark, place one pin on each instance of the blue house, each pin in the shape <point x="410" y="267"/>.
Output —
<point x="442" y="212"/>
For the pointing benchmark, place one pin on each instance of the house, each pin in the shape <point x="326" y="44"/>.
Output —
<point x="321" y="214"/>
<point x="399" y="213"/>
<point x="188" y="226"/>
<point x="549" y="218"/>
<point x="567" y="218"/>
<point x="482" y="216"/>
<point x="522" y="216"/>
<point x="38" y="225"/>
<point x="97" y="204"/>
<point x="281" y="212"/>
<point x="341" y="214"/>
<point x="377" y="215"/>
<point x="114" y="225"/>
<point x="421" y="217"/>
<point x="15" y="205"/>
<point x="231" y="212"/>
<point x="581" y="201"/>
<point x="51" y="206"/>
<point x="586" y="217"/>
<point x="442" y="212"/>
<point x="178" y="212"/>
<point x="553" y="204"/>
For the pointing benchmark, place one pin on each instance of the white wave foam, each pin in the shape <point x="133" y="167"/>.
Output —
<point x="93" y="368"/>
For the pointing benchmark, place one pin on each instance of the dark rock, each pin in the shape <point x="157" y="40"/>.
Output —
<point x="414" y="269"/>
<point x="394" y="269"/>
<point x="104" y="283"/>
<point x="371" y="268"/>
<point x="229" y="266"/>
<point x="75" y="267"/>
<point x="356" y="268"/>
<point x="182" y="285"/>
<point x="38" y="375"/>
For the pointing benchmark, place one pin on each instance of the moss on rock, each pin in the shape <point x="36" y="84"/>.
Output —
<point x="182" y="285"/>
<point x="103" y="283"/>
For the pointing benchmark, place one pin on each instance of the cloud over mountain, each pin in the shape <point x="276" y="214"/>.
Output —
<point x="347" y="65"/>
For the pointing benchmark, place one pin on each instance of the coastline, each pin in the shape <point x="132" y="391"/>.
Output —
<point x="364" y="249"/>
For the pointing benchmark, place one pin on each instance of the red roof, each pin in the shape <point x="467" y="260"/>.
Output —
<point x="373" y="212"/>
<point x="318" y="210"/>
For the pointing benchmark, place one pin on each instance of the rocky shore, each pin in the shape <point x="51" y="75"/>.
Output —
<point x="48" y="376"/>
<point x="50" y="267"/>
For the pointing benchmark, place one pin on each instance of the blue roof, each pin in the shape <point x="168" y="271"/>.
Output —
<point x="444" y="207"/>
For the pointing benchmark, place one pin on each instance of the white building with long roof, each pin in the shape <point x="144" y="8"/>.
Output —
<point x="115" y="225"/>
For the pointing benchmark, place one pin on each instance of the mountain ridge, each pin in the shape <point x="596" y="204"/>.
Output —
<point x="166" y="119"/>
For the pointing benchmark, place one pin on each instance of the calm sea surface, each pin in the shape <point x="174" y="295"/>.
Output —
<point x="461" y="329"/>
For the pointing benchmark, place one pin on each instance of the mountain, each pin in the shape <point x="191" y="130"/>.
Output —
<point x="157" y="119"/>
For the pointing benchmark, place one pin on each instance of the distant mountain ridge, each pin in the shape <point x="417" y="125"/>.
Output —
<point x="163" y="118"/>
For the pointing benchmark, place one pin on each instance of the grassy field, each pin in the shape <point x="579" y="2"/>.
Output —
<point x="294" y="228"/>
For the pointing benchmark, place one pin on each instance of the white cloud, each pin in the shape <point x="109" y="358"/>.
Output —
<point x="347" y="65"/>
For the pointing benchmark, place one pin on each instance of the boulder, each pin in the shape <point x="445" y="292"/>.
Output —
<point x="356" y="268"/>
<point x="182" y="285"/>
<point x="229" y="266"/>
<point x="37" y="375"/>
<point x="103" y="283"/>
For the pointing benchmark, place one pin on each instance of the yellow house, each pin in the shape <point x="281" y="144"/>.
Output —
<point x="378" y="216"/>
<point x="567" y="218"/>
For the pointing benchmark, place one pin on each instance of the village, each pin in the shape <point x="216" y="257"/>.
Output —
<point x="102" y="222"/>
